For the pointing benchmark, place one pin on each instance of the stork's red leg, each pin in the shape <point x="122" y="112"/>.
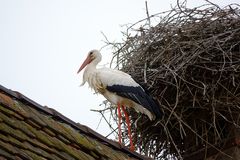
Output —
<point x="129" y="128"/>
<point x="119" y="123"/>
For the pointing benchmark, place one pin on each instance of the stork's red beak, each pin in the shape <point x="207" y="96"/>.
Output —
<point x="87" y="61"/>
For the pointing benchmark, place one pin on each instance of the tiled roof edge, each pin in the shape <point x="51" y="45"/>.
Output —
<point x="83" y="129"/>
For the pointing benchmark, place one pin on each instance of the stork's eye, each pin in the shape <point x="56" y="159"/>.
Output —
<point x="91" y="53"/>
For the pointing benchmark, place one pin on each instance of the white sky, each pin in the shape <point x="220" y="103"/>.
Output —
<point x="43" y="43"/>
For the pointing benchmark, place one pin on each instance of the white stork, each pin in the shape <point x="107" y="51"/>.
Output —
<point x="118" y="88"/>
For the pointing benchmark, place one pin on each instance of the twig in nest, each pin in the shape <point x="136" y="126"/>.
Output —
<point x="103" y="116"/>
<point x="148" y="17"/>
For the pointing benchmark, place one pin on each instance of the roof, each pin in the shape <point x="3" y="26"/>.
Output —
<point x="29" y="130"/>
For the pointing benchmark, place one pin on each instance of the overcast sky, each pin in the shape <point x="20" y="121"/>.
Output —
<point x="43" y="43"/>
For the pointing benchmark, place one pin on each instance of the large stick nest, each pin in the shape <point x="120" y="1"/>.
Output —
<point x="190" y="63"/>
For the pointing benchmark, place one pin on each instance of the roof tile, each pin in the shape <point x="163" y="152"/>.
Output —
<point x="8" y="112"/>
<point x="30" y="113"/>
<point x="6" y="100"/>
<point x="5" y="155"/>
<point x="9" y="148"/>
<point x="12" y="132"/>
<point x="15" y="124"/>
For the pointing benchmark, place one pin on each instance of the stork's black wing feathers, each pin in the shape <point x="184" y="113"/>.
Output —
<point x="138" y="95"/>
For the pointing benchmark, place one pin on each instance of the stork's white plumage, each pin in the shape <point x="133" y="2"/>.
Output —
<point x="118" y="88"/>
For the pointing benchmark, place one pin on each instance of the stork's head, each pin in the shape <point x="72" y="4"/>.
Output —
<point x="93" y="57"/>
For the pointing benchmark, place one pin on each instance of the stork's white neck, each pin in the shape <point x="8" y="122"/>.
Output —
<point x="91" y="67"/>
<point x="90" y="70"/>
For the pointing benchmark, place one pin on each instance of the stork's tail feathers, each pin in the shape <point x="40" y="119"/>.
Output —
<point x="155" y="108"/>
<point x="139" y="96"/>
